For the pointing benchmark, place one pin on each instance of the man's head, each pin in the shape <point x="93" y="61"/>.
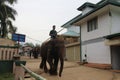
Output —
<point x="54" y="27"/>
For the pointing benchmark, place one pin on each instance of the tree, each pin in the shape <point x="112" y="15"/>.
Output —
<point x="11" y="28"/>
<point x="29" y="44"/>
<point x="7" y="13"/>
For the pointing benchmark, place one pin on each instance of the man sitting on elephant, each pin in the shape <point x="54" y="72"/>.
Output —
<point x="53" y="33"/>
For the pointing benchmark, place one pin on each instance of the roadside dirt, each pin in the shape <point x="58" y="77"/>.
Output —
<point x="72" y="71"/>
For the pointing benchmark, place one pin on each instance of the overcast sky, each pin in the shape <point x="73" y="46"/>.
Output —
<point x="36" y="17"/>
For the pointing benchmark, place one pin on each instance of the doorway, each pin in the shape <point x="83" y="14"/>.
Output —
<point x="115" y="56"/>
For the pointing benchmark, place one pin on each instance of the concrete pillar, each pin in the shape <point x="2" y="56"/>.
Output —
<point x="19" y="72"/>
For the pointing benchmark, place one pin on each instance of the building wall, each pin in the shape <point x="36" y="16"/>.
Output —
<point x="73" y="52"/>
<point x="86" y="10"/>
<point x="103" y="28"/>
<point x="96" y="53"/>
<point x="115" y="14"/>
<point x="6" y="42"/>
<point x="93" y="42"/>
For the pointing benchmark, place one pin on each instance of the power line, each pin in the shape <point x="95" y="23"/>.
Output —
<point x="33" y="39"/>
<point x="46" y="39"/>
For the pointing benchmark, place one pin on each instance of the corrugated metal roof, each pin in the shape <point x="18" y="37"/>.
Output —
<point x="71" y="33"/>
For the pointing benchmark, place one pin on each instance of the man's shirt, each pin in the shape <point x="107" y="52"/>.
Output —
<point x="53" y="34"/>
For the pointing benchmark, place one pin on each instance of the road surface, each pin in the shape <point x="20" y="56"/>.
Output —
<point x="73" y="71"/>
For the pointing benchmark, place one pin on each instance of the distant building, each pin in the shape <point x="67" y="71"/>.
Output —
<point x="27" y="48"/>
<point x="72" y="42"/>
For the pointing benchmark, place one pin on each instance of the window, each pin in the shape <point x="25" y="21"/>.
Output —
<point x="92" y="24"/>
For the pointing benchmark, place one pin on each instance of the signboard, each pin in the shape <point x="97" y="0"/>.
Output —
<point x="18" y="37"/>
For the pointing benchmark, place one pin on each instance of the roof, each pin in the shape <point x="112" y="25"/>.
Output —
<point x="71" y="33"/>
<point x="72" y="44"/>
<point x="87" y="4"/>
<point x="68" y="24"/>
<point x="100" y="5"/>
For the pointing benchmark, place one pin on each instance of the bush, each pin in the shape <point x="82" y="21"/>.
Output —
<point x="7" y="76"/>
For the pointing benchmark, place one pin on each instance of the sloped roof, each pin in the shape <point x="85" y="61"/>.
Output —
<point x="87" y="4"/>
<point x="68" y="24"/>
<point x="71" y="33"/>
<point x="99" y="5"/>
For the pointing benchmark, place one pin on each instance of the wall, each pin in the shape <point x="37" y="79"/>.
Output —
<point x="73" y="52"/>
<point x="103" y="28"/>
<point x="86" y="10"/>
<point x="115" y="21"/>
<point x="93" y="42"/>
<point x="7" y="42"/>
<point x="96" y="53"/>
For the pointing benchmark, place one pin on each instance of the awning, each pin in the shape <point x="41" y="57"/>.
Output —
<point x="113" y="39"/>
<point x="112" y="36"/>
<point x="112" y="42"/>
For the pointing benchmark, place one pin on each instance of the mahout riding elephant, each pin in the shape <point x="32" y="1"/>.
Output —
<point x="53" y="51"/>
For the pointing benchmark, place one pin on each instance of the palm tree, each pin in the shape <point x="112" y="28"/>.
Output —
<point x="11" y="28"/>
<point x="6" y="14"/>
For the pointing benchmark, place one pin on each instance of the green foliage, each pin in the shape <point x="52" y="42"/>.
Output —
<point x="29" y="44"/>
<point x="7" y="76"/>
<point x="37" y="45"/>
<point x="6" y="14"/>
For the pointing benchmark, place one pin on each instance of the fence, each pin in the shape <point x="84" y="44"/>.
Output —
<point x="7" y="52"/>
<point x="36" y="76"/>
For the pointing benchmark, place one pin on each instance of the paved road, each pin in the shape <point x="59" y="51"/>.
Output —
<point x="74" y="71"/>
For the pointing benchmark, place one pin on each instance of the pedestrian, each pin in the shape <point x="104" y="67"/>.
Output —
<point x="31" y="51"/>
<point x="53" y="33"/>
<point x="35" y="52"/>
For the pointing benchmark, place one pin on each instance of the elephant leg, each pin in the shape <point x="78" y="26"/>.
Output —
<point x="41" y="64"/>
<point x="45" y="66"/>
<point x="50" y="62"/>
<point x="55" y="66"/>
<point x="61" y="66"/>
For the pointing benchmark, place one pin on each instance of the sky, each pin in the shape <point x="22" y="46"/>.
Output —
<point x="35" y="18"/>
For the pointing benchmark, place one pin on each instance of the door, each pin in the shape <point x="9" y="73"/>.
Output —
<point x="115" y="55"/>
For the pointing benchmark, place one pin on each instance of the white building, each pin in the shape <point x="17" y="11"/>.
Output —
<point x="100" y="32"/>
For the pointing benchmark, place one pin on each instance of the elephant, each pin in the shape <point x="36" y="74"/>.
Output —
<point x="52" y="51"/>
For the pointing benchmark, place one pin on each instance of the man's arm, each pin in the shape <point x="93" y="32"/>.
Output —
<point x="50" y="33"/>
